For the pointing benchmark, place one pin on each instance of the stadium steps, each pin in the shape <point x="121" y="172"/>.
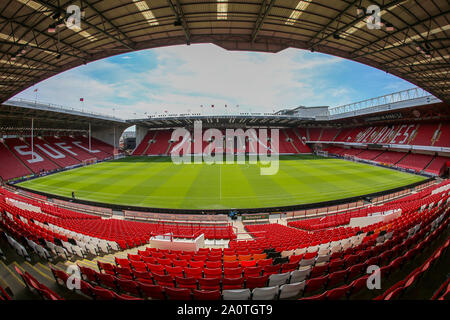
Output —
<point x="320" y="135"/>
<point x="406" y="154"/>
<point x="290" y="141"/>
<point x="150" y="142"/>
<point x="429" y="163"/>
<point x="293" y="145"/>
<point x="374" y="159"/>
<point x="38" y="268"/>
<point x="91" y="262"/>
<point x="168" y="148"/>
<point x="436" y="135"/>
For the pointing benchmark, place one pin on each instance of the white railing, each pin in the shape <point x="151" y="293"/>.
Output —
<point x="399" y="96"/>
<point x="55" y="107"/>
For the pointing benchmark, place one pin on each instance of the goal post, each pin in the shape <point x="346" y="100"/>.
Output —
<point x="322" y="153"/>
<point x="89" y="161"/>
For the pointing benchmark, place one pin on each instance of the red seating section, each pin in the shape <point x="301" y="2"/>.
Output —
<point x="11" y="167"/>
<point x="23" y="151"/>
<point x="415" y="162"/>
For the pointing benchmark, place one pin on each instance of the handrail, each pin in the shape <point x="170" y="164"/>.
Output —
<point x="58" y="107"/>
<point x="399" y="96"/>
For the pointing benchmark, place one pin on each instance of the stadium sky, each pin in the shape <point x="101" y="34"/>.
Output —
<point x="181" y="79"/>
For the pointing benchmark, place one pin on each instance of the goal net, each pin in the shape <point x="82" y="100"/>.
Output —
<point x="322" y="153"/>
<point x="89" y="161"/>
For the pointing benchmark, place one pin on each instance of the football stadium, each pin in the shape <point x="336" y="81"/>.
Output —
<point x="335" y="202"/>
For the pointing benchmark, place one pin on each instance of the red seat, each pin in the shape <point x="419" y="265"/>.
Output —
<point x="315" y="284"/>
<point x="231" y="264"/>
<point x="107" y="268"/>
<point x="252" y="272"/>
<point x="295" y="258"/>
<point x="124" y="273"/>
<point x="103" y="294"/>
<point x="142" y="275"/>
<point x="128" y="286"/>
<point x="335" y="265"/>
<point x="232" y="283"/>
<point x="122" y="262"/>
<point x="156" y="268"/>
<point x="318" y="270"/>
<point x="256" y="282"/>
<point x="213" y="264"/>
<point x="164" y="261"/>
<point x="107" y="280"/>
<point x="248" y="263"/>
<point x="209" y="283"/>
<point x="358" y="284"/>
<point x="265" y="262"/>
<point x="355" y="271"/>
<point x="87" y="274"/>
<point x="178" y="293"/>
<point x="211" y="273"/>
<point x="193" y="272"/>
<point x="197" y="264"/>
<point x="152" y="291"/>
<point x="174" y="271"/>
<point x="163" y="280"/>
<point x="206" y="295"/>
<point x="232" y="272"/>
<point x="180" y="263"/>
<point x="336" y="278"/>
<point x="338" y="293"/>
<point x="87" y="289"/>
<point x="271" y="269"/>
<point x="138" y="265"/>
<point x="288" y="267"/>
<point x="134" y="257"/>
<point x="150" y="260"/>
<point x="190" y="283"/>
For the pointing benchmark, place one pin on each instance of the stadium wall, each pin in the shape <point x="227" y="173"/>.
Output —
<point x="107" y="134"/>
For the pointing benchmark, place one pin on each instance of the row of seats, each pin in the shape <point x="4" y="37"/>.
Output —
<point x="281" y="286"/>
<point x="412" y="161"/>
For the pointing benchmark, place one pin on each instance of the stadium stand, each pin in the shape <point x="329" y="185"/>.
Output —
<point x="36" y="163"/>
<point x="327" y="263"/>
<point x="161" y="145"/>
<point x="11" y="166"/>
<point x="416" y="162"/>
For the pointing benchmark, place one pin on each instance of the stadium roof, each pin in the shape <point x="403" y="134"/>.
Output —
<point x="413" y="42"/>
<point x="18" y="113"/>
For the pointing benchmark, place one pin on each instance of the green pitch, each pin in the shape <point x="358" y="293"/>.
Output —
<point x="157" y="182"/>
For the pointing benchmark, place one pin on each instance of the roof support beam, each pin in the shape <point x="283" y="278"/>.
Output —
<point x="38" y="48"/>
<point x="29" y="59"/>
<point x="179" y="14"/>
<point x="400" y="46"/>
<point x="357" y="20"/>
<point x="31" y="28"/>
<point x="56" y="9"/>
<point x="370" y="44"/>
<point x="87" y="2"/>
<point x="262" y="15"/>
<point x="351" y="4"/>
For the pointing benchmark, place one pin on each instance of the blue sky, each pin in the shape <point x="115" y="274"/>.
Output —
<point x="180" y="79"/>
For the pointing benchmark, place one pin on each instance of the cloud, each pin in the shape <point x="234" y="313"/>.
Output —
<point x="182" y="78"/>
